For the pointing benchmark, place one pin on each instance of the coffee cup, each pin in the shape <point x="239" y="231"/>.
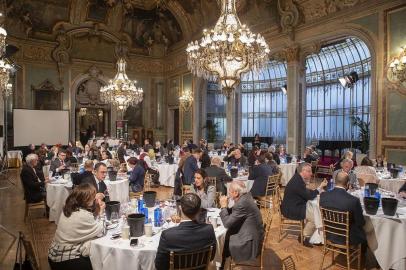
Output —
<point x="125" y="232"/>
<point x="148" y="230"/>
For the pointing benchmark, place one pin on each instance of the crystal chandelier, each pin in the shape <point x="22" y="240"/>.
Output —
<point x="397" y="68"/>
<point x="82" y="111"/>
<point x="227" y="50"/>
<point x="121" y="91"/>
<point x="186" y="100"/>
<point x="3" y="35"/>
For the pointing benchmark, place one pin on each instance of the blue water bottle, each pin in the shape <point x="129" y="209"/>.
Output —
<point x="378" y="196"/>
<point x="140" y="205"/>
<point x="366" y="191"/>
<point x="145" y="212"/>
<point x="157" y="217"/>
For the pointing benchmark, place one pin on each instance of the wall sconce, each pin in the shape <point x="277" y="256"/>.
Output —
<point x="186" y="100"/>
<point x="397" y="68"/>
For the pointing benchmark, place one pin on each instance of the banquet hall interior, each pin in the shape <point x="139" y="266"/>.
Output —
<point x="264" y="134"/>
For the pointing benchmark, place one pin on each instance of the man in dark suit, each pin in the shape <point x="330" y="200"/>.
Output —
<point x="235" y="158"/>
<point x="147" y="146"/>
<point x="59" y="164"/>
<point x="260" y="174"/>
<point x="221" y="176"/>
<point x="188" y="236"/>
<point x="295" y="204"/>
<point x="33" y="182"/>
<point x="97" y="179"/>
<point x="339" y="199"/>
<point x="190" y="166"/>
<point x="244" y="224"/>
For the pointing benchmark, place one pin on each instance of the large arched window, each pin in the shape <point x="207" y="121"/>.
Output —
<point x="264" y="103"/>
<point x="216" y="111"/>
<point x="330" y="106"/>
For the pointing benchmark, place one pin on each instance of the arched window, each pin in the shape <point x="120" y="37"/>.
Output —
<point x="330" y="106"/>
<point x="264" y="103"/>
<point x="216" y="110"/>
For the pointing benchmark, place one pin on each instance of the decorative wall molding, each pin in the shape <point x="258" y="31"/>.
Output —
<point x="289" y="17"/>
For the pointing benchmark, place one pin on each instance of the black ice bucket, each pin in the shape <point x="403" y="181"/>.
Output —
<point x="112" y="207"/>
<point x="394" y="172"/>
<point x="202" y="216"/>
<point x="112" y="175"/>
<point x="149" y="198"/>
<point x="389" y="206"/>
<point x="372" y="188"/>
<point x="234" y="172"/>
<point x="136" y="223"/>
<point x="371" y="205"/>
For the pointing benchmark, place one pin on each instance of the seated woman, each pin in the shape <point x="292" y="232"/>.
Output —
<point x="77" y="226"/>
<point x="206" y="193"/>
<point x="137" y="174"/>
<point x="379" y="161"/>
<point x="402" y="191"/>
<point x="282" y="152"/>
<point x="366" y="172"/>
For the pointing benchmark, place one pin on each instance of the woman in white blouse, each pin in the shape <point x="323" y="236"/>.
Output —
<point x="77" y="226"/>
<point x="206" y="193"/>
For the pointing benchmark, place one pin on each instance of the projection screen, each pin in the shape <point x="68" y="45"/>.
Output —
<point x="40" y="126"/>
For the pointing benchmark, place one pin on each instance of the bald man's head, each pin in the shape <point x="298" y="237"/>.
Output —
<point x="342" y="179"/>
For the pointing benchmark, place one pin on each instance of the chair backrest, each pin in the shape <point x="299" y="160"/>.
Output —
<point x="198" y="259"/>
<point x="267" y="228"/>
<point x="335" y="224"/>
<point x="288" y="263"/>
<point x="272" y="185"/>
<point x="211" y="181"/>
<point x="323" y="171"/>
<point x="147" y="181"/>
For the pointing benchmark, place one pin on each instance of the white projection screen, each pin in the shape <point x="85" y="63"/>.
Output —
<point x="40" y="126"/>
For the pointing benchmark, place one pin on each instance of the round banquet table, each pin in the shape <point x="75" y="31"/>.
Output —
<point x="248" y="183"/>
<point x="167" y="174"/>
<point x="119" y="190"/>
<point x="392" y="184"/>
<point x="107" y="254"/>
<point x="288" y="170"/>
<point x="57" y="193"/>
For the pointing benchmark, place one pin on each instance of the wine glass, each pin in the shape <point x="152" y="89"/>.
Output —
<point x="114" y="217"/>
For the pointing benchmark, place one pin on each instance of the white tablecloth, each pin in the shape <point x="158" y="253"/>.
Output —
<point x="56" y="197"/>
<point x="167" y="174"/>
<point x="107" y="254"/>
<point x="386" y="238"/>
<point x="288" y="170"/>
<point x="118" y="190"/>
<point x="248" y="183"/>
<point x="392" y="184"/>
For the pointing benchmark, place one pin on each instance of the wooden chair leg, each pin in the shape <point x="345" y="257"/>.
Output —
<point x="348" y="260"/>
<point x="332" y="258"/>
<point x="25" y="212"/>
<point x="322" y="260"/>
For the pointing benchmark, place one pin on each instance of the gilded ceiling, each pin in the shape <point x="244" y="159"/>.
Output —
<point x="152" y="27"/>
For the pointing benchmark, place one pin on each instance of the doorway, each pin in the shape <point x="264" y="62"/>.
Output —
<point x="93" y="119"/>
<point x="173" y="125"/>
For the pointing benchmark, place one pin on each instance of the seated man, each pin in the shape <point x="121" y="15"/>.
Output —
<point x="34" y="183"/>
<point x="235" y="158"/>
<point x="244" y="224"/>
<point x="260" y="173"/>
<point x="296" y="201"/>
<point x="88" y="166"/>
<point x="340" y="200"/>
<point x="60" y="163"/>
<point x="97" y="179"/>
<point x="186" y="237"/>
<point x="221" y="176"/>
<point x="137" y="174"/>
<point x="346" y="166"/>
<point x="308" y="155"/>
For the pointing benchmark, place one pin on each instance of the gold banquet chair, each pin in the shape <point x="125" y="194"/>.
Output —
<point x="337" y="223"/>
<point x="287" y="226"/>
<point x="288" y="263"/>
<point x="271" y="193"/>
<point x="199" y="259"/>
<point x="267" y="229"/>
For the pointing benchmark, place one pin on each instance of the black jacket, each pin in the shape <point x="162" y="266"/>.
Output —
<point x="188" y="236"/>
<point x="339" y="199"/>
<point x="121" y="152"/>
<point x="403" y="188"/>
<point x="91" y="179"/>
<point x="242" y="161"/>
<point x="221" y="178"/>
<point x="296" y="196"/>
<point x="33" y="189"/>
<point x="260" y="175"/>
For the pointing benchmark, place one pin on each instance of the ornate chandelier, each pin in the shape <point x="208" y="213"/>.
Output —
<point x="186" y="100"/>
<point x="5" y="87"/>
<point x="3" y="35"/>
<point x="397" y="68"/>
<point x="121" y="91"/>
<point x="82" y="111"/>
<point x="227" y="50"/>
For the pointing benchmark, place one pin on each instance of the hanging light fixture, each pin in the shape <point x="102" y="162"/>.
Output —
<point x="82" y="111"/>
<point x="3" y="35"/>
<point x="397" y="68"/>
<point x="186" y="100"/>
<point x="226" y="51"/>
<point x="121" y="91"/>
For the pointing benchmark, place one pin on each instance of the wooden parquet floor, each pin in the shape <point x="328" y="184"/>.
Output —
<point x="41" y="231"/>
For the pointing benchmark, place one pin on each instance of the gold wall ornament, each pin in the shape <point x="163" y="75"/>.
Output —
<point x="5" y="87"/>
<point x="227" y="50"/>
<point x="290" y="16"/>
<point x="121" y="91"/>
<point x="292" y="54"/>
<point x="186" y="100"/>
<point x="3" y="35"/>
<point x="396" y="72"/>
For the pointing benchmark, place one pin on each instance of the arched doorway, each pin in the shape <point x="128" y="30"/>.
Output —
<point x="88" y="111"/>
